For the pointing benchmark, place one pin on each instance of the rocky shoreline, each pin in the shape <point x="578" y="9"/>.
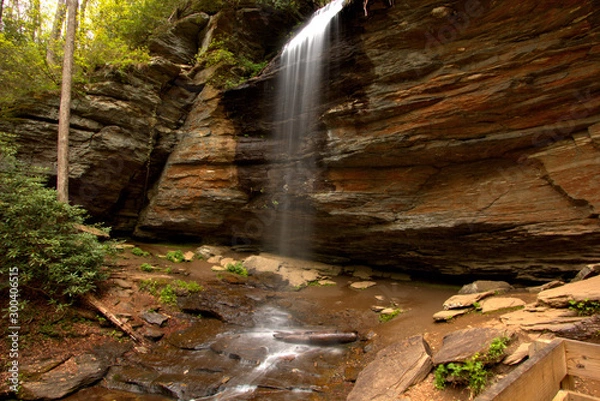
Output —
<point x="192" y="356"/>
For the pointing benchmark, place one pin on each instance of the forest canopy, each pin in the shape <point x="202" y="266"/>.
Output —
<point x="113" y="33"/>
<point x="110" y="33"/>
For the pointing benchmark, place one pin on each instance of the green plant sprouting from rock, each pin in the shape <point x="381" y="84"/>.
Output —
<point x="232" y="67"/>
<point x="175" y="256"/>
<point x="585" y="308"/>
<point x="237" y="268"/>
<point x="473" y="372"/>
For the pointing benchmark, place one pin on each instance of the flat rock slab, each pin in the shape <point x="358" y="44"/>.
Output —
<point x="461" y="345"/>
<point x="195" y="384"/>
<point x="445" y="315"/>
<point x="152" y="333"/>
<point x="77" y="372"/>
<point x="540" y="319"/>
<point x="588" y="289"/>
<point x="394" y="369"/>
<point x="241" y="348"/>
<point x="465" y="300"/>
<point x="198" y="336"/>
<point x="498" y="303"/>
<point x="154" y="318"/>
<point x="297" y="273"/>
<point x="485" y="286"/>
<point x="517" y="355"/>
<point x="223" y="302"/>
<point x="362" y="285"/>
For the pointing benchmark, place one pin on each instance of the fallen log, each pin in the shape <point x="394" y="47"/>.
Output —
<point x="327" y="337"/>
<point x="124" y="327"/>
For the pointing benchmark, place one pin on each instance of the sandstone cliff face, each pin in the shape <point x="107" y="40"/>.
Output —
<point x="125" y="124"/>
<point x="461" y="139"/>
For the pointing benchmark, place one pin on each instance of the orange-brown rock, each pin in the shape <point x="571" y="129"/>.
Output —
<point x="463" y="142"/>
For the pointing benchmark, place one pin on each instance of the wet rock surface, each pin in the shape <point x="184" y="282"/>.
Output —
<point x="222" y="302"/>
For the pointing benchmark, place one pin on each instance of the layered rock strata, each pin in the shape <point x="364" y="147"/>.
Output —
<point x="460" y="140"/>
<point x="456" y="139"/>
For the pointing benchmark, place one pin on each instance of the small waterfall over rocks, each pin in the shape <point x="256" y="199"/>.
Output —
<point x="298" y="98"/>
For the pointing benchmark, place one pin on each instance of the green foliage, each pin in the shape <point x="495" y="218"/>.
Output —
<point x="237" y="268"/>
<point x="40" y="238"/>
<point x="473" y="372"/>
<point x="232" y="66"/>
<point x="139" y="252"/>
<point x="23" y="72"/>
<point x="189" y="286"/>
<point x="585" y="307"/>
<point x="167" y="295"/>
<point x="389" y="316"/>
<point x="150" y="286"/>
<point x="146" y="267"/>
<point x="497" y="348"/>
<point x="175" y="256"/>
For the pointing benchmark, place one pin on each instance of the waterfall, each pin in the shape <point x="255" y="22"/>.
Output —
<point x="298" y="98"/>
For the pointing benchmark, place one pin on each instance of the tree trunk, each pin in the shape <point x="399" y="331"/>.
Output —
<point x="1" y="12"/>
<point x="57" y="24"/>
<point x="64" y="111"/>
<point x="125" y="327"/>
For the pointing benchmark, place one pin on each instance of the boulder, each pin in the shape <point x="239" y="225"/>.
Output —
<point x="461" y="345"/>
<point x="155" y="318"/>
<point x="222" y="302"/>
<point x="485" y="286"/>
<point x="542" y="319"/>
<point x="584" y="290"/>
<point x="588" y="271"/>
<point x="75" y="373"/>
<point x="395" y="368"/>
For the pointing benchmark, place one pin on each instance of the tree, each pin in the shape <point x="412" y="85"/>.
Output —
<point x="40" y="237"/>
<point x="57" y="23"/>
<point x="64" y="111"/>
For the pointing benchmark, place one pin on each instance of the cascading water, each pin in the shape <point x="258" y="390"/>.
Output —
<point x="298" y="97"/>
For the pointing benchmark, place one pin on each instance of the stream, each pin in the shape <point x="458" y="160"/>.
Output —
<point x="216" y="360"/>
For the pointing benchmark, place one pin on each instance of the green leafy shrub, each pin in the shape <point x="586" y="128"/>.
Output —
<point x="474" y="371"/>
<point x="497" y="348"/>
<point x="585" y="307"/>
<point x="138" y="252"/>
<point x="189" y="286"/>
<point x="175" y="256"/>
<point x="150" y="286"/>
<point x="39" y="236"/>
<point x="168" y="295"/>
<point x="146" y="267"/>
<point x="233" y="67"/>
<point x="237" y="268"/>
